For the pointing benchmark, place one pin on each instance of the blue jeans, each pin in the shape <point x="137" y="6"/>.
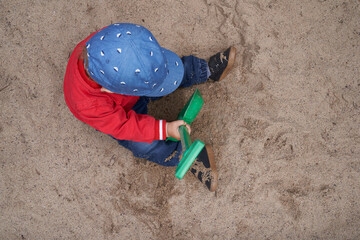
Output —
<point x="166" y="153"/>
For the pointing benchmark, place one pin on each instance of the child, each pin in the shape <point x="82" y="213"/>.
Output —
<point x="112" y="75"/>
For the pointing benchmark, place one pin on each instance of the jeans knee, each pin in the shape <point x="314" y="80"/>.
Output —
<point x="160" y="152"/>
<point x="172" y="160"/>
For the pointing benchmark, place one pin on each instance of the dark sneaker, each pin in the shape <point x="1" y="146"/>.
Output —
<point x="221" y="63"/>
<point x="204" y="168"/>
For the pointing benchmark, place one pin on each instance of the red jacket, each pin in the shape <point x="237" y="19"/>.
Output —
<point x="109" y="113"/>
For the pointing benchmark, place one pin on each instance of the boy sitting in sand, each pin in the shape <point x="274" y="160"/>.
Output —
<point x="113" y="74"/>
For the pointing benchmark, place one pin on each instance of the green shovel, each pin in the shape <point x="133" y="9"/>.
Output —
<point x="190" y="149"/>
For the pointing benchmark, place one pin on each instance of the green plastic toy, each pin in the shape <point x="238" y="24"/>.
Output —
<point x="190" y="149"/>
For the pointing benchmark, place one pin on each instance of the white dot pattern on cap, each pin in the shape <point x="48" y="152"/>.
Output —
<point x="138" y="70"/>
<point x="116" y="24"/>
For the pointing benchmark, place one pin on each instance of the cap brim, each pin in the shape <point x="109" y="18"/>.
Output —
<point x="174" y="77"/>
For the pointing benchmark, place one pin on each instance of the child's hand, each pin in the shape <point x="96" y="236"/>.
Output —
<point x="172" y="128"/>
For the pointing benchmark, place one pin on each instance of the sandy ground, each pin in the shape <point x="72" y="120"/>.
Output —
<point x="284" y="125"/>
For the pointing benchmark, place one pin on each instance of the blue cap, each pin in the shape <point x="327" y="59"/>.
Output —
<point x="126" y="59"/>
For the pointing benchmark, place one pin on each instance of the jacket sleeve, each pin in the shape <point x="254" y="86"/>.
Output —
<point x="115" y="121"/>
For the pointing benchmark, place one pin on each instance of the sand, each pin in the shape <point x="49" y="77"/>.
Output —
<point x="284" y="125"/>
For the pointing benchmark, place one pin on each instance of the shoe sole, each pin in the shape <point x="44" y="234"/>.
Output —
<point x="214" y="181"/>
<point x="232" y="57"/>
